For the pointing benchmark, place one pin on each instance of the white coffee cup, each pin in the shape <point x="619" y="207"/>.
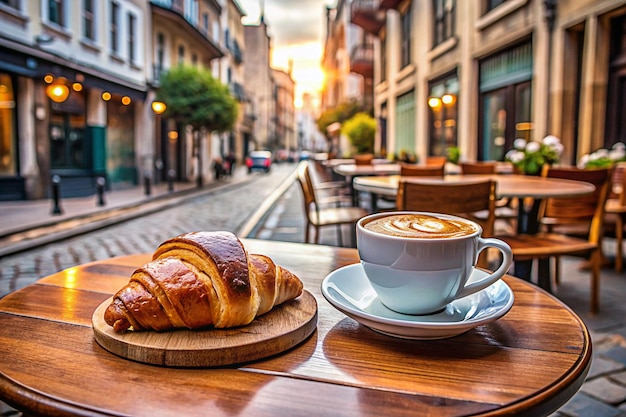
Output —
<point x="420" y="270"/>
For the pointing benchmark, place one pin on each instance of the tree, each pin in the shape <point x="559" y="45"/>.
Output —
<point x="342" y="112"/>
<point x="195" y="98"/>
<point x="361" y="130"/>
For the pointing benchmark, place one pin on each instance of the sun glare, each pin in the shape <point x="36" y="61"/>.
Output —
<point x="307" y="71"/>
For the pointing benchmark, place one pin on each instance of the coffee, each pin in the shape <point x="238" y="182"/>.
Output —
<point x="420" y="226"/>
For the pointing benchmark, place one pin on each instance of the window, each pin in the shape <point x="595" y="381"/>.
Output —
<point x="56" y="12"/>
<point x="383" y="58"/>
<point x="205" y="23"/>
<point x="442" y="102"/>
<point x="405" y="52"/>
<point x="444" y="20"/>
<point x="492" y="4"/>
<point x="7" y="126"/>
<point x="132" y="29"/>
<point x="181" y="54"/>
<point x="89" y="30"/>
<point x="14" y="4"/>
<point x="114" y="27"/>
<point x="505" y="101"/>
<point x="160" y="52"/>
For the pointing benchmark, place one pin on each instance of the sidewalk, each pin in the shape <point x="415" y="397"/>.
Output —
<point x="25" y="223"/>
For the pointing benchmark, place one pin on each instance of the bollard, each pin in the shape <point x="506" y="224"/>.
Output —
<point x="100" y="188"/>
<point x="171" y="175"/>
<point x="56" y="195"/>
<point x="146" y="182"/>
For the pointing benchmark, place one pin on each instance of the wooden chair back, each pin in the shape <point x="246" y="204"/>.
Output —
<point x="365" y="159"/>
<point x="460" y="199"/>
<point x="415" y="170"/>
<point x="478" y="167"/>
<point x="586" y="211"/>
<point x="308" y="191"/>
<point x="436" y="160"/>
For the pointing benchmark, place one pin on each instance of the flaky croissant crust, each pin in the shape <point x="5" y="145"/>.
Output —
<point x="199" y="279"/>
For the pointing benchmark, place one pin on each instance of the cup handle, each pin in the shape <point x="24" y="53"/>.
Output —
<point x="507" y="259"/>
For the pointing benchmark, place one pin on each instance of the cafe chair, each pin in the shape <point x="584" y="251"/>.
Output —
<point x="505" y="207"/>
<point x="570" y="227"/>
<point x="459" y="199"/>
<point x="478" y="167"/>
<point x="436" y="160"/>
<point x="412" y="170"/>
<point x="615" y="213"/>
<point x="417" y="170"/>
<point x="322" y="182"/>
<point x="318" y="216"/>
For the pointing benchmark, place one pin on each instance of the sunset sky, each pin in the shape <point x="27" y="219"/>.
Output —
<point x="297" y="30"/>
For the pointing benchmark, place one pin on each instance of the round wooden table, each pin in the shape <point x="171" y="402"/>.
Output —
<point x="527" y="363"/>
<point x="520" y="187"/>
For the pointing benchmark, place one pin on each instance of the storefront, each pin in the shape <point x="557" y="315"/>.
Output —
<point x="443" y="104"/>
<point x="505" y="101"/>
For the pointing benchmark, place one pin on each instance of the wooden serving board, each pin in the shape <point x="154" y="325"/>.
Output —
<point x="280" y="329"/>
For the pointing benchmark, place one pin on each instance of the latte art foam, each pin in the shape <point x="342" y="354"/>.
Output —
<point x="420" y="226"/>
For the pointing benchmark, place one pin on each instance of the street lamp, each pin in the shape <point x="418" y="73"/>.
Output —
<point x="158" y="107"/>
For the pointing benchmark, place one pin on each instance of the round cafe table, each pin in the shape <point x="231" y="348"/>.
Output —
<point x="528" y="362"/>
<point x="519" y="187"/>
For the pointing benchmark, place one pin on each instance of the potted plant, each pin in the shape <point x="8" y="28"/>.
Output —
<point x="361" y="130"/>
<point x="529" y="157"/>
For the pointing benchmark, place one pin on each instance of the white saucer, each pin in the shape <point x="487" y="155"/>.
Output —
<point x="349" y="291"/>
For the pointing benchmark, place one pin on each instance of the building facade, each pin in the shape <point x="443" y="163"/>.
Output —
<point x="479" y="74"/>
<point x="258" y="75"/>
<point x="78" y="85"/>
<point x="285" y="121"/>
<point x="73" y="90"/>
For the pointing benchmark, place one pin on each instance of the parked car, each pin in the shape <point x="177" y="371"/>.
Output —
<point x="259" y="160"/>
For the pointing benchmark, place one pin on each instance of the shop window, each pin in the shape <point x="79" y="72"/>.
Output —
<point x="443" y="99"/>
<point x="67" y="134"/>
<point x="7" y="127"/>
<point x="405" y="123"/>
<point x="444" y="16"/>
<point x="505" y="101"/>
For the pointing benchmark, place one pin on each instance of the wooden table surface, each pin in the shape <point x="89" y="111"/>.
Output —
<point x="508" y="186"/>
<point x="529" y="362"/>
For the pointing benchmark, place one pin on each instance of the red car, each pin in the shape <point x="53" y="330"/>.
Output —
<point x="259" y="160"/>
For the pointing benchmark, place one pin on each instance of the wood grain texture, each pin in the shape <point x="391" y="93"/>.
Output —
<point x="280" y="329"/>
<point x="529" y="362"/>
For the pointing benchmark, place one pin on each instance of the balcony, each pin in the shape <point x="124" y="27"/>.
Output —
<point x="390" y="4"/>
<point x="174" y="13"/>
<point x="362" y="60"/>
<point x="368" y="15"/>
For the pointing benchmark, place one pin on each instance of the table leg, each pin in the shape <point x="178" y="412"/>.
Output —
<point x="527" y="223"/>
<point x="374" y="202"/>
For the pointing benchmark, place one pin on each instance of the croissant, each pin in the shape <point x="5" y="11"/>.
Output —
<point x="199" y="279"/>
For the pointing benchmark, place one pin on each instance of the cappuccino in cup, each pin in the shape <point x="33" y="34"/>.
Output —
<point x="420" y="226"/>
<point x="419" y="262"/>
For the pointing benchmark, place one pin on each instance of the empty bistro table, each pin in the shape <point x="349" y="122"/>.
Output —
<point x="528" y="361"/>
